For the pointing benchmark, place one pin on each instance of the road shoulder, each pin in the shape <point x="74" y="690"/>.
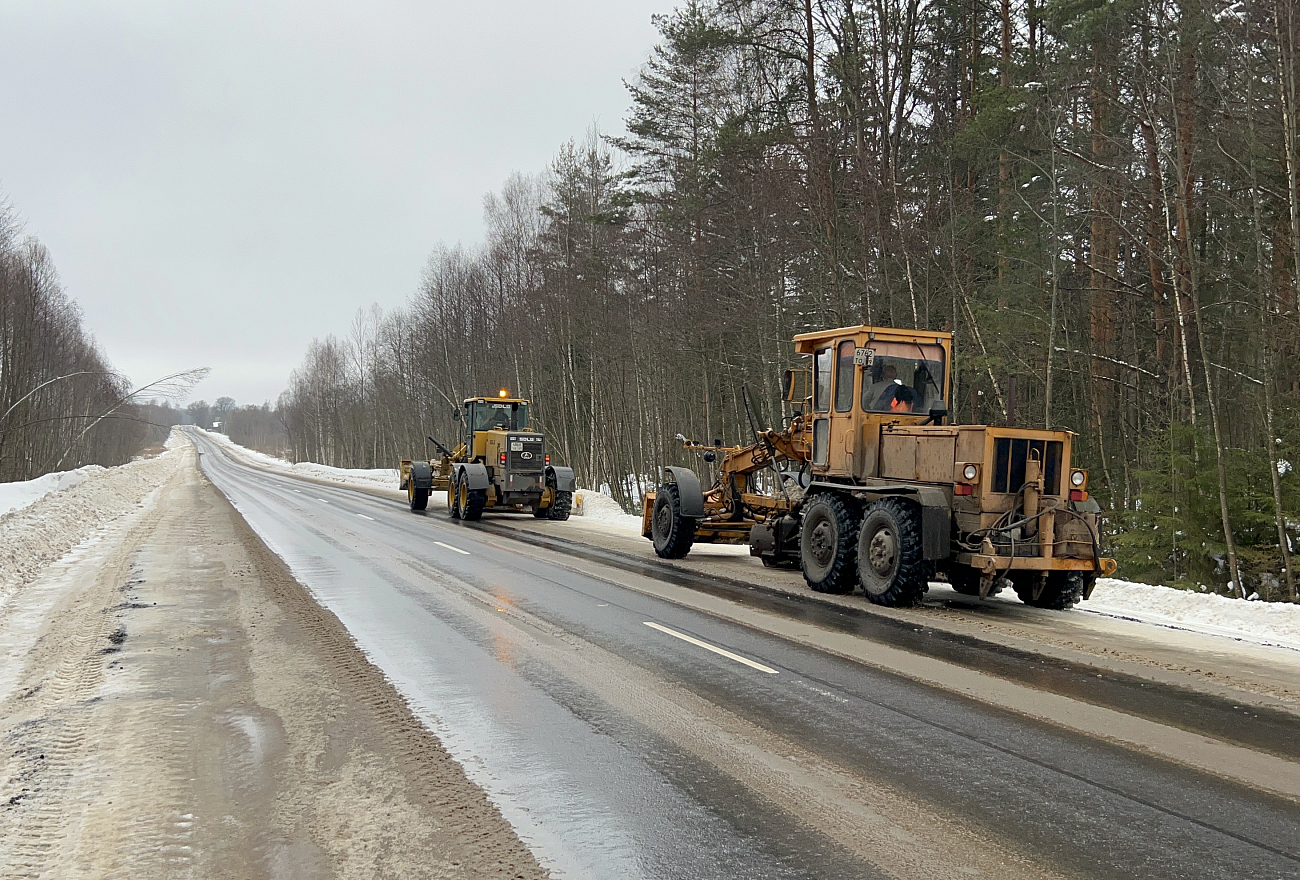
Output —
<point x="187" y="707"/>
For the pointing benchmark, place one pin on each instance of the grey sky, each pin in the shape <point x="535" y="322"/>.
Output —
<point x="219" y="182"/>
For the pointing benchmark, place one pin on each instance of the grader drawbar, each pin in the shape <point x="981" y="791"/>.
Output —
<point x="869" y="487"/>
<point x="501" y="464"/>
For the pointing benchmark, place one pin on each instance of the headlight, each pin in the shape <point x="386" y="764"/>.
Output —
<point x="1078" y="478"/>
<point x="971" y="472"/>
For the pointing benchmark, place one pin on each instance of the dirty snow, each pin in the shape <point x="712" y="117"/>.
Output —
<point x="16" y="495"/>
<point x="36" y="534"/>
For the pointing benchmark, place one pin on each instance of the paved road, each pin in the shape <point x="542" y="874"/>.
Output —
<point x="625" y="735"/>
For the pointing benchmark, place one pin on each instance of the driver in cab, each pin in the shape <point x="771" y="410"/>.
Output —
<point x="900" y="399"/>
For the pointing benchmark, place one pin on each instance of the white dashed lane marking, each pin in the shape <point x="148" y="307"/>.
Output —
<point x="449" y="547"/>
<point x="714" y="648"/>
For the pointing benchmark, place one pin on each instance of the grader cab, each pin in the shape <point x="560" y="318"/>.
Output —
<point x="871" y="487"/>
<point x="501" y="464"/>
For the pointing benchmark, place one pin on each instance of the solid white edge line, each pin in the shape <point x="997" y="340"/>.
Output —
<point x="449" y="547"/>
<point x="363" y="516"/>
<point x="706" y="646"/>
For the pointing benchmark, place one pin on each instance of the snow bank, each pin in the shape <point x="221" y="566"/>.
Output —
<point x="1264" y="623"/>
<point x="14" y="496"/>
<point x="382" y="478"/>
<point x="597" y="507"/>
<point x="36" y="534"/>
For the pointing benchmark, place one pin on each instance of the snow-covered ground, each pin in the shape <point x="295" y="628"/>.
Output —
<point x="71" y="508"/>
<point x="383" y="478"/>
<point x="14" y="496"/>
<point x="1263" y="623"/>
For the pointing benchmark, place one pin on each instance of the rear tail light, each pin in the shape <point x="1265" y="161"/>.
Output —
<point x="503" y="458"/>
<point x="962" y="489"/>
<point x="548" y="458"/>
<point x="1078" y="495"/>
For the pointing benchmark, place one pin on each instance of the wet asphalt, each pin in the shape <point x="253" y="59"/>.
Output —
<point x="595" y="792"/>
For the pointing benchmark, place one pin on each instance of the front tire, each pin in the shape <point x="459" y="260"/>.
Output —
<point x="471" y="502"/>
<point x="828" y="543"/>
<point x="891" y="561"/>
<point x="417" y="498"/>
<point x="560" y="507"/>
<point x="672" y="533"/>
<point x="453" y="497"/>
<point x="1063" y="590"/>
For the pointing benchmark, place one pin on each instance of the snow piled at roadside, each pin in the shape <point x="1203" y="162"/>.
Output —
<point x="1264" y="623"/>
<point x="37" y="534"/>
<point x="597" y="507"/>
<point x="381" y="478"/>
<point x="14" y="496"/>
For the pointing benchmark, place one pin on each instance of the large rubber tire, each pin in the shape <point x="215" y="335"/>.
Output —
<point x="672" y="533"/>
<point x="1061" y="592"/>
<point x="828" y="543"/>
<point x="419" y="498"/>
<point x="891" y="558"/>
<point x="453" y="498"/>
<point x="540" y="512"/>
<point x="560" y="507"/>
<point x="472" y="502"/>
<point x="964" y="580"/>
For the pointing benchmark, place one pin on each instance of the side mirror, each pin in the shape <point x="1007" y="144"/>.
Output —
<point x="455" y="415"/>
<point x="937" y="415"/>
<point x="794" y="386"/>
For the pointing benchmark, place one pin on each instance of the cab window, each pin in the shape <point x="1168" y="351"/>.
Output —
<point x="500" y="415"/>
<point x="903" y="377"/>
<point x="822" y="381"/>
<point x="844" y="376"/>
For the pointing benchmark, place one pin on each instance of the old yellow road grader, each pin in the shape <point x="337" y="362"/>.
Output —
<point x="501" y="464"/>
<point x="868" y="486"/>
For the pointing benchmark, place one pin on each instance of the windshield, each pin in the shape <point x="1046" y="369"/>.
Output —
<point x="506" y="416"/>
<point x="903" y="377"/>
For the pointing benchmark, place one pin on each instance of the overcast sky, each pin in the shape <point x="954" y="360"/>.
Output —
<point x="218" y="182"/>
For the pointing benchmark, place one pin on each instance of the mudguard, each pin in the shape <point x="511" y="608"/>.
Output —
<point x="562" y="477"/>
<point x="936" y="523"/>
<point x="422" y="474"/>
<point x="688" y="490"/>
<point x="473" y="475"/>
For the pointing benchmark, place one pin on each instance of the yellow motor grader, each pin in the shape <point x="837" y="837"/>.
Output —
<point x="869" y="486"/>
<point x="500" y="465"/>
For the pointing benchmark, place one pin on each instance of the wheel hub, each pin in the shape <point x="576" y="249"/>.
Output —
<point x="663" y="520"/>
<point x="882" y="552"/>
<point x="822" y="543"/>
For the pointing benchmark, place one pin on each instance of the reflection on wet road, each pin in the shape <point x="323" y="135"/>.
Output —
<point x="627" y="736"/>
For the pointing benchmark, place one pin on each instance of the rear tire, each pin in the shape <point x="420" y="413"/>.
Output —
<point x="540" y="512"/>
<point x="672" y="533"/>
<point x="1061" y="592"/>
<point x="828" y="543"/>
<point x="891" y="561"/>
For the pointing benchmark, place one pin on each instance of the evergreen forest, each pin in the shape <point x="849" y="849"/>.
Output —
<point x="1099" y="198"/>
